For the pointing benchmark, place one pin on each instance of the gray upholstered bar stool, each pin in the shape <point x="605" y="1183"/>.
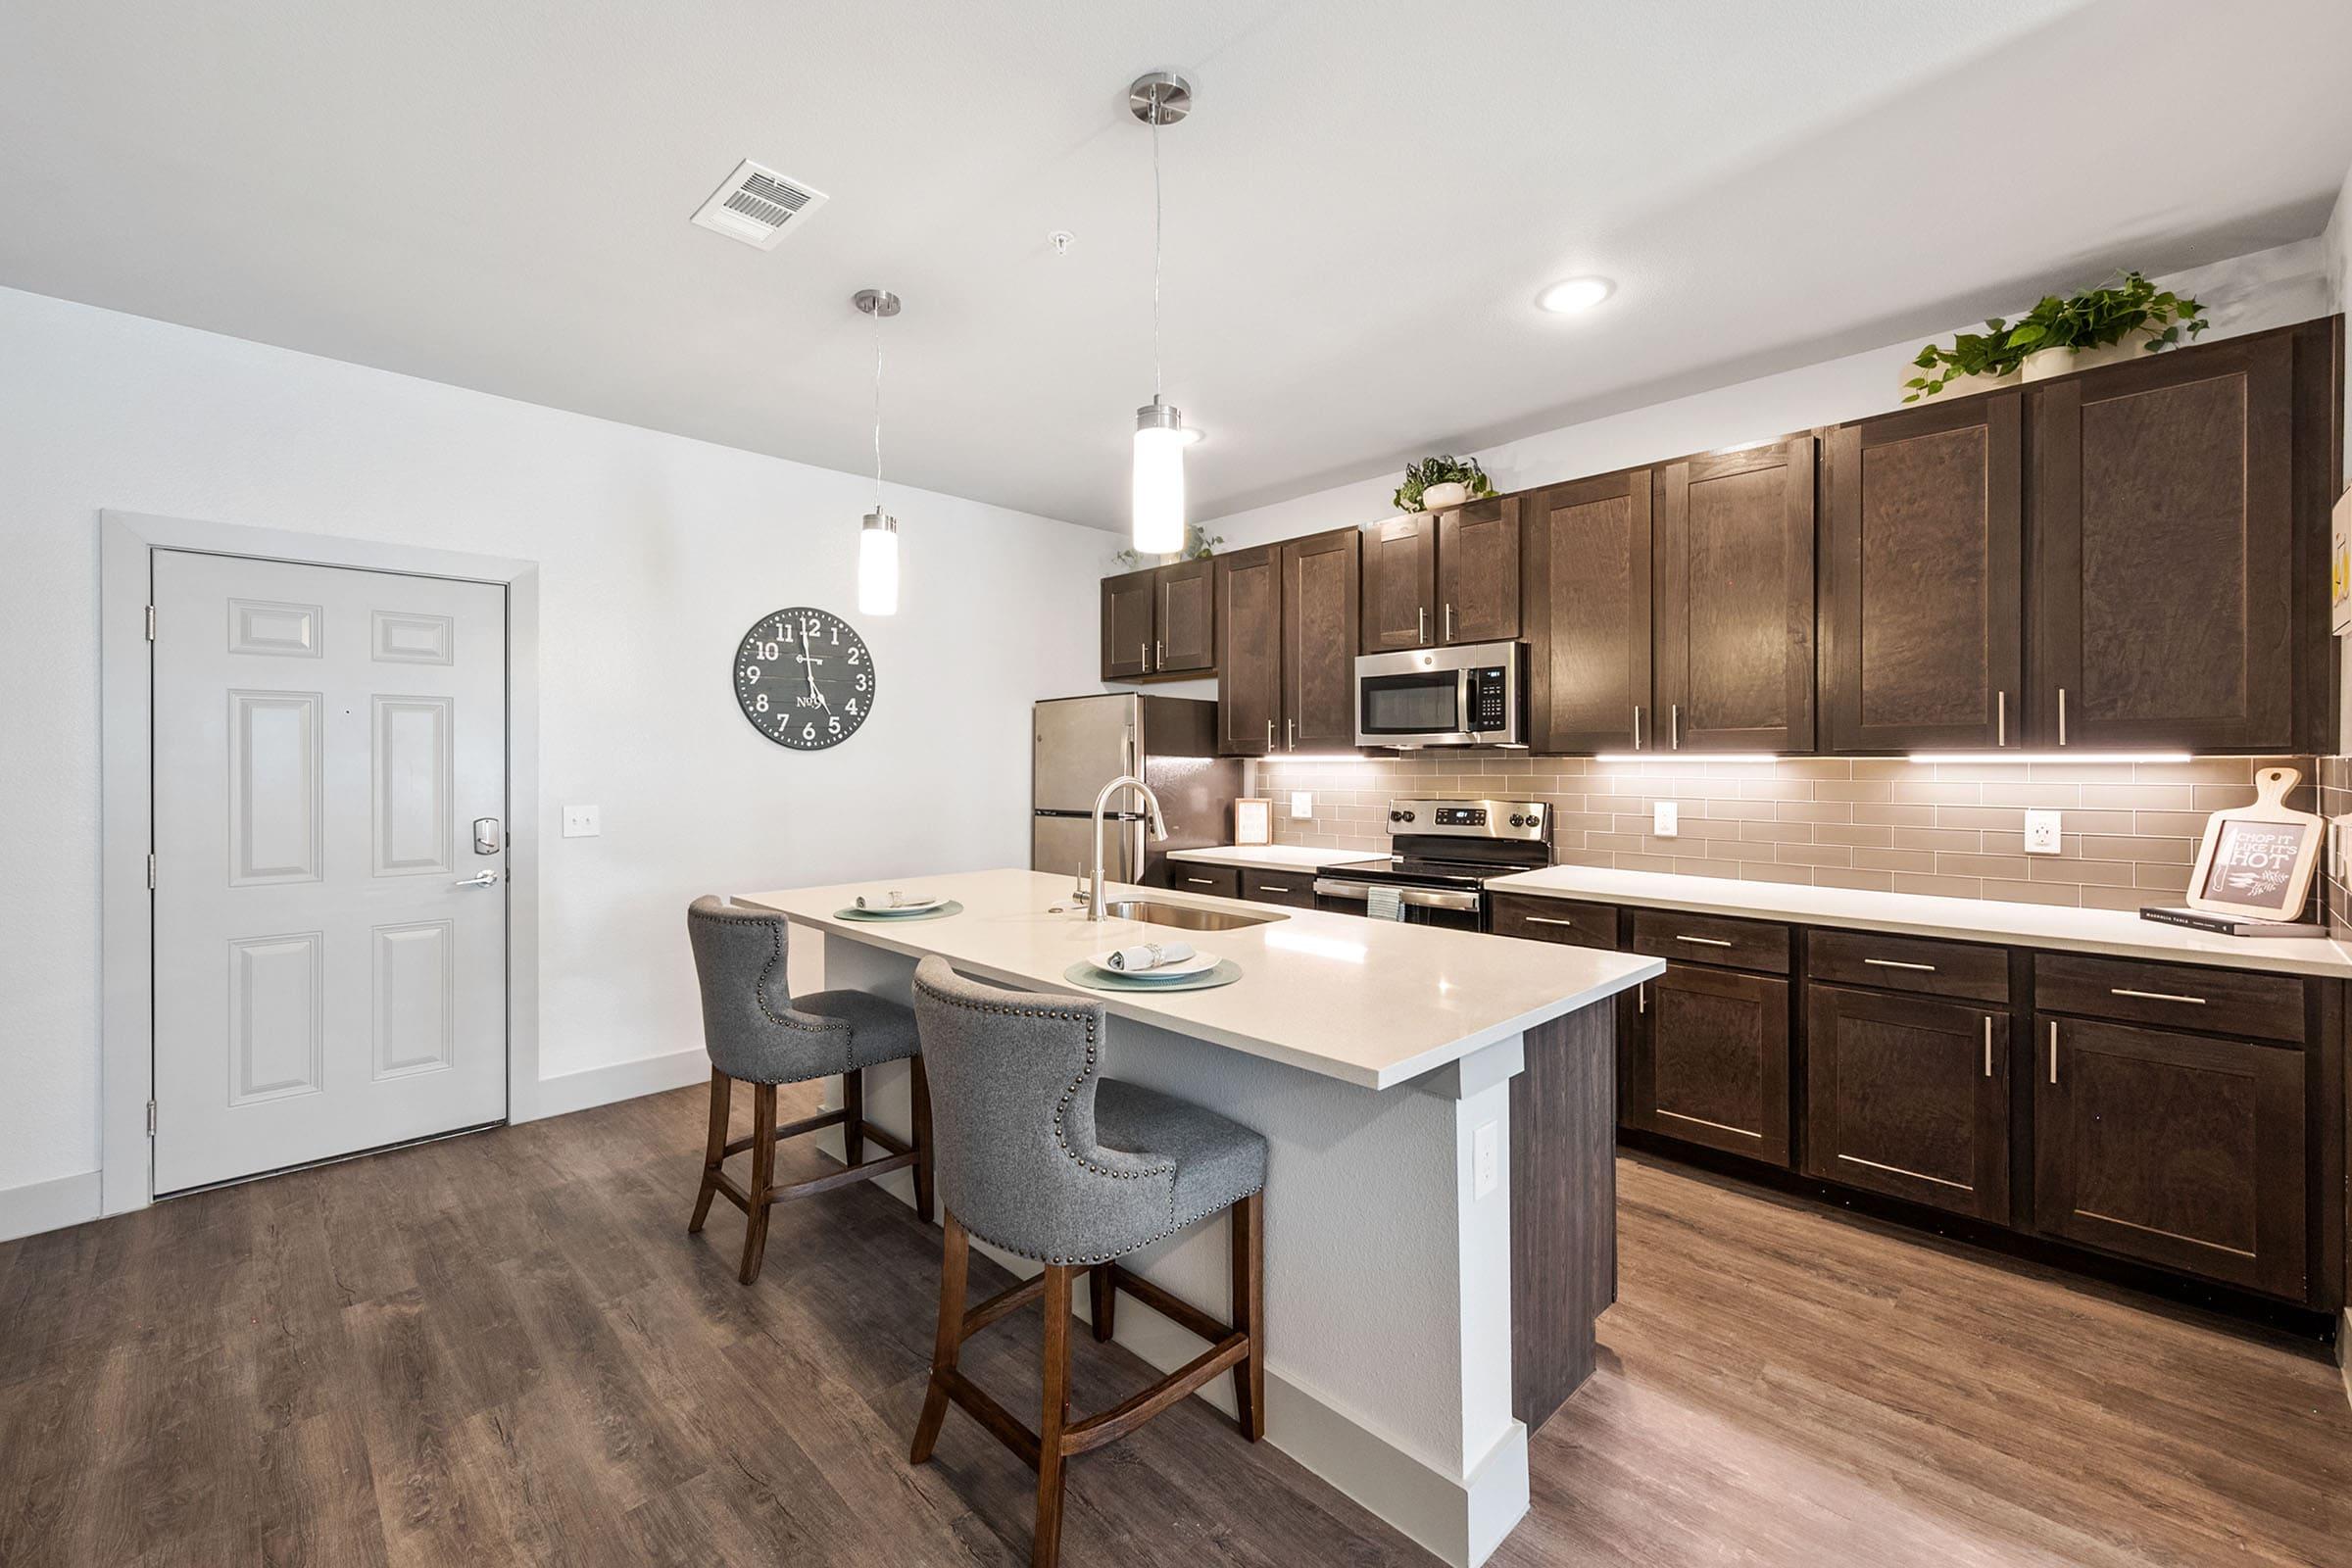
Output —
<point x="756" y="1031"/>
<point x="1039" y="1155"/>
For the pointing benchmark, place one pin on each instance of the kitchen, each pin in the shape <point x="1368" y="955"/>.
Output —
<point x="1571" y="903"/>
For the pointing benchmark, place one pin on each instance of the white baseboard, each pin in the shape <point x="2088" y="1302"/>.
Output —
<point x="48" y="1205"/>
<point x="621" y="1080"/>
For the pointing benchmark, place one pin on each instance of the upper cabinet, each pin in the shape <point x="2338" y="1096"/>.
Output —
<point x="1319" y="585"/>
<point x="1248" y="614"/>
<point x="1922" y="612"/>
<point x="1586" y="589"/>
<point x="1448" y="578"/>
<point x="2164" y="500"/>
<point x="1734" y="600"/>
<point x="1160" y="621"/>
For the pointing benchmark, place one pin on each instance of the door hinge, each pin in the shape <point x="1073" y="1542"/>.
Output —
<point x="150" y="624"/>
<point x="151" y="1119"/>
<point x="150" y="871"/>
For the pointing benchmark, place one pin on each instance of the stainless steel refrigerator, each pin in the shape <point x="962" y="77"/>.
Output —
<point x="1082" y="743"/>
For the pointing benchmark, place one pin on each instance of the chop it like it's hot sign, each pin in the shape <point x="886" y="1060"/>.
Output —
<point x="2256" y="861"/>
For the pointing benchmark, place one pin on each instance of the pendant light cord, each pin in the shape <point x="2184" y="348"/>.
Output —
<point x="877" y="405"/>
<point x="1155" y="112"/>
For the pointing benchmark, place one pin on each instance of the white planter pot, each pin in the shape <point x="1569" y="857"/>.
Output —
<point x="2043" y="363"/>
<point x="1438" y="497"/>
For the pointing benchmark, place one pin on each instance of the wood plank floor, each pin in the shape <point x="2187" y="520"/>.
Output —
<point x="505" y="1349"/>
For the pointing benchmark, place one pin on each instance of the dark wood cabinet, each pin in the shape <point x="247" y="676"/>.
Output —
<point x="1248" y="619"/>
<point x="1539" y="918"/>
<point x="1128" y="602"/>
<point x="1399" y="583"/>
<point x="1735" y="601"/>
<point x="1909" y="1096"/>
<point x="1921" y="603"/>
<point x="1183" y="619"/>
<point x="1586" y="606"/>
<point x="1320" y="589"/>
<point x="2176" y="1150"/>
<point x="1477" y="573"/>
<point x="2164" y="502"/>
<point x="1214" y="881"/>
<point x="1293" y="889"/>
<point x="1708" y="1061"/>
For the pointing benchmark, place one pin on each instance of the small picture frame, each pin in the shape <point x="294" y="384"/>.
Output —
<point x="2256" y="862"/>
<point x="1253" y="820"/>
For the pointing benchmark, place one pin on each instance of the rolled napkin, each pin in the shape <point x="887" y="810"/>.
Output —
<point x="1151" y="955"/>
<point x="892" y="899"/>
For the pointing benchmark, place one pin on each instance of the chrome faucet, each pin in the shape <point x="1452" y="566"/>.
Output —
<point x="1160" y="830"/>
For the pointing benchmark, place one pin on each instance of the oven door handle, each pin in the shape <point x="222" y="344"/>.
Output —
<point x="1352" y="891"/>
<point x="1412" y="898"/>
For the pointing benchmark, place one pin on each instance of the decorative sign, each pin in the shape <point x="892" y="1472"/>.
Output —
<point x="1252" y="822"/>
<point x="2256" y="861"/>
<point x="804" y="678"/>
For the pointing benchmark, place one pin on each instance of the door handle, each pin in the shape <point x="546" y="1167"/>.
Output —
<point x="1988" y="1045"/>
<point x="1160" y="655"/>
<point x="2000" y="722"/>
<point x="1674" y="721"/>
<point x="2062" y="716"/>
<point x="1449" y="622"/>
<point x="1290" y="734"/>
<point x="1269" y="734"/>
<point x="1636" y="726"/>
<point x="479" y="879"/>
<point x="1143" y="656"/>
<point x="2053" y="1050"/>
<point x="1420" y="623"/>
<point x="485" y="835"/>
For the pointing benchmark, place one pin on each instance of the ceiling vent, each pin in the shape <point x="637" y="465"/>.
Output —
<point x="759" y="205"/>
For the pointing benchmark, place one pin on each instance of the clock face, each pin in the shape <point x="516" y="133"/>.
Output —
<point x="805" y="679"/>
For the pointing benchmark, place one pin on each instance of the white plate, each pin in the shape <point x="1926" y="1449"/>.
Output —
<point x="1199" y="964"/>
<point x="904" y="906"/>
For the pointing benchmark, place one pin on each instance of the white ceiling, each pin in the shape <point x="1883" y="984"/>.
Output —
<point x="1364" y="203"/>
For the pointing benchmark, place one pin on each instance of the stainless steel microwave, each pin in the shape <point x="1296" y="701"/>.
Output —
<point x="1471" y="695"/>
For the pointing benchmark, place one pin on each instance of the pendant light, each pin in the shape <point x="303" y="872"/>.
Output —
<point x="1159" y="99"/>
<point x="878" y="540"/>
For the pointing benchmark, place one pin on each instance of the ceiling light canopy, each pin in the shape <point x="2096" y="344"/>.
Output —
<point x="1571" y="295"/>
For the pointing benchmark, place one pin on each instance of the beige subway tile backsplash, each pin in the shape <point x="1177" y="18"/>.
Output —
<point x="2127" y="837"/>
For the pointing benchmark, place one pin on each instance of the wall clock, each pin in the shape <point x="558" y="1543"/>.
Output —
<point x="804" y="678"/>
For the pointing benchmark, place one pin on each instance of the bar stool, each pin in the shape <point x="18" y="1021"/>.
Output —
<point x="756" y="1031"/>
<point x="1039" y="1155"/>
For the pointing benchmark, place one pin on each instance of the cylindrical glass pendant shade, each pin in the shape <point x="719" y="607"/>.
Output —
<point x="1160" y="443"/>
<point x="879" y="565"/>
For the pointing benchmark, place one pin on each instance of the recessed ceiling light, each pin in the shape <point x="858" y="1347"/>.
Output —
<point x="1574" y="294"/>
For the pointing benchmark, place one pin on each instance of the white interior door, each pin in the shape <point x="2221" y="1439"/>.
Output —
<point x="330" y="933"/>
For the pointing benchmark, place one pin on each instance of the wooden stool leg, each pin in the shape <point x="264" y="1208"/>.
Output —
<point x="1250" y="1312"/>
<point x="1046" y="1548"/>
<point x="714" y="1150"/>
<point x="953" y="1265"/>
<point x="853" y="1131"/>
<point x="764" y="1179"/>
<point x="1104" y="1296"/>
<point x="920" y="1085"/>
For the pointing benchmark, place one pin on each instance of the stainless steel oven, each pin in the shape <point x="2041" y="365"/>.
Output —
<point x="1471" y="695"/>
<point x="1441" y="853"/>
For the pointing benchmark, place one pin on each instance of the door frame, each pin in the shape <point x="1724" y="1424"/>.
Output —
<point x="127" y="541"/>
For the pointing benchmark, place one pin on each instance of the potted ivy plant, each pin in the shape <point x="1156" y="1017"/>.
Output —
<point x="2094" y="326"/>
<point x="1434" y="483"/>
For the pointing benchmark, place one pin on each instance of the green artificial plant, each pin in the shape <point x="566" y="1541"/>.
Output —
<point x="1419" y="477"/>
<point x="2093" y="317"/>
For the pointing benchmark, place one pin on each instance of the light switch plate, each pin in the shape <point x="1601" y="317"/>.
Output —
<point x="2042" y="832"/>
<point x="1665" y="819"/>
<point x="582" y="822"/>
<point x="1302" y="804"/>
<point x="1486" y="1159"/>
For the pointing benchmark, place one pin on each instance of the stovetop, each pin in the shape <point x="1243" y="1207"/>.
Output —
<point x="1457" y="843"/>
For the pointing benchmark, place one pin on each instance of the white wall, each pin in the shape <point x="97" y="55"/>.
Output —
<point x="2244" y="294"/>
<point x="656" y="552"/>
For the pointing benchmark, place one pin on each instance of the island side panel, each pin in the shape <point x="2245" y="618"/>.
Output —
<point x="1563" y="1207"/>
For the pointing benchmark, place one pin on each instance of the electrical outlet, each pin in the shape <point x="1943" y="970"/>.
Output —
<point x="1302" y="804"/>
<point x="1486" y="1159"/>
<point x="2042" y="832"/>
<point x="582" y="822"/>
<point x="1665" y="819"/>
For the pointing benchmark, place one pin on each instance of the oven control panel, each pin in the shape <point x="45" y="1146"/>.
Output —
<point x="1460" y="816"/>
<point x="1526" y="821"/>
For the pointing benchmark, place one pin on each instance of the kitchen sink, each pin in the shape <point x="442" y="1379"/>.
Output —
<point x="1184" y="916"/>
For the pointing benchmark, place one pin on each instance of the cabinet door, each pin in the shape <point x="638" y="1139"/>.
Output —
<point x="1710" y="1062"/>
<point x="1215" y="881"/>
<point x="1296" y="888"/>
<point x="1127" y="607"/>
<point x="1184" y="618"/>
<point x="1248" y="614"/>
<point x="1923" y="621"/>
<point x="1400" y="584"/>
<point x="1320" y="580"/>
<point x="1585" y="597"/>
<point x="2181" y="1150"/>
<point x="2164" y="508"/>
<point x="1477" y="573"/>
<point x="1735" y="610"/>
<point x="1910" y="1097"/>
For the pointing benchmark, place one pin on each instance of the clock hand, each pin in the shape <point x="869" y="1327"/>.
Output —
<point x="809" y="667"/>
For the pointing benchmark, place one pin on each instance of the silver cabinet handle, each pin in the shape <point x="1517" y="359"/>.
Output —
<point x="2000" y="720"/>
<point x="1269" y="734"/>
<point x="1268" y="887"/>
<point x="2062" y="716"/>
<point x="1200" y="881"/>
<point x="1898" y="963"/>
<point x="1449" y="622"/>
<point x="1159" y="654"/>
<point x="1988" y="1045"/>
<point x="1421" y="623"/>
<point x="1545" y="919"/>
<point x="1704" y="942"/>
<point x="1673" y="720"/>
<point x="479" y="879"/>
<point x="1290" y="734"/>
<point x="2153" y="995"/>
<point x="1641" y="996"/>
<point x="2053" y="1050"/>
<point x="1143" y="656"/>
<point x="1636" y="726"/>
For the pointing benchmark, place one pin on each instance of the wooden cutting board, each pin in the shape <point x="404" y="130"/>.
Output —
<point x="2256" y="861"/>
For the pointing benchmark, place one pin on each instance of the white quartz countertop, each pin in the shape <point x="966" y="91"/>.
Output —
<point x="1271" y="857"/>
<point x="2030" y="925"/>
<point x="1373" y="1002"/>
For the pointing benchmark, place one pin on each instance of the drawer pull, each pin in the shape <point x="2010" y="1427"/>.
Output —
<point x="1200" y="882"/>
<point x="1268" y="887"/>
<point x="1988" y="1045"/>
<point x="1898" y="963"/>
<point x="2153" y="995"/>
<point x="1704" y="942"/>
<point x="1545" y="919"/>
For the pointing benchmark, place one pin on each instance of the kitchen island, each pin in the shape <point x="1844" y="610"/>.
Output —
<point x="1440" y="1199"/>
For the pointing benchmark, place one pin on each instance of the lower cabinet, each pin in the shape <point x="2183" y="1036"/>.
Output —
<point x="1217" y="881"/>
<point x="1707" y="1062"/>
<point x="2176" y="1150"/>
<point x="1296" y="889"/>
<point x="1909" y="1096"/>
